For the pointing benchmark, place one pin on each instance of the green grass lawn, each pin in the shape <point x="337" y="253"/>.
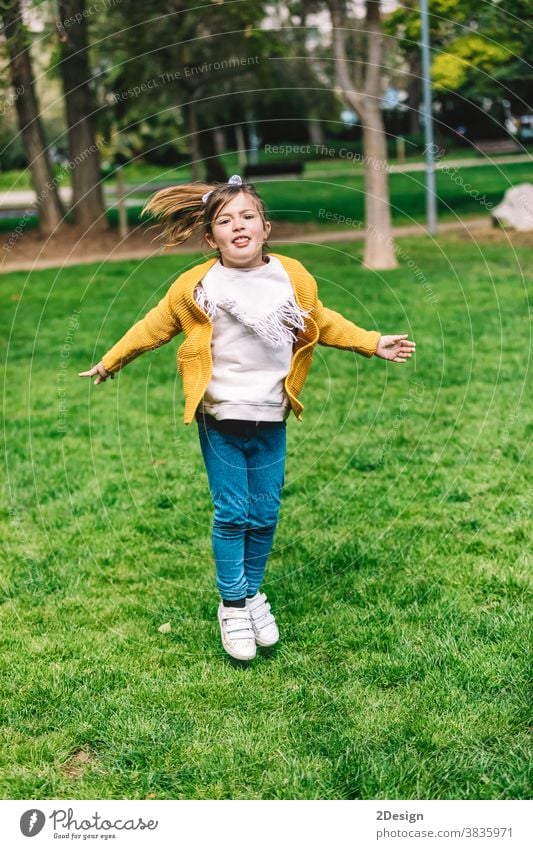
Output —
<point x="399" y="576"/>
<point x="138" y="171"/>
<point x="343" y="195"/>
<point x="471" y="191"/>
<point x="339" y="190"/>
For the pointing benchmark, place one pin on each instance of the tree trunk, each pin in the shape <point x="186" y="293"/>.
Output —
<point x="414" y="91"/>
<point x="51" y="212"/>
<point x="315" y="131"/>
<point x="195" y="145"/>
<point x="366" y="101"/>
<point x="379" y="248"/>
<point x="241" y="146"/>
<point x="220" y="141"/>
<point x="87" y="196"/>
<point x="214" y="169"/>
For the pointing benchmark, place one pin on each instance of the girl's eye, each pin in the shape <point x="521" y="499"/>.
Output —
<point x="226" y="220"/>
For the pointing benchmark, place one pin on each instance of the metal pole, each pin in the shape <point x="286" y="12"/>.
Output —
<point x="431" y="197"/>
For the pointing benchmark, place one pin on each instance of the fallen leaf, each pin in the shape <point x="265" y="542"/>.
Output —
<point x="164" y="629"/>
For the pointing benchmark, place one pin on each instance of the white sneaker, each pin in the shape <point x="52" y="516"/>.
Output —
<point x="237" y="632"/>
<point x="263" y="622"/>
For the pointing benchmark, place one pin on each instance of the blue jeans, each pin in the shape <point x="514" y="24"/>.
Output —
<point x="246" y="473"/>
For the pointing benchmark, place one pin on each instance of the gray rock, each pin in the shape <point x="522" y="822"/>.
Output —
<point x="516" y="208"/>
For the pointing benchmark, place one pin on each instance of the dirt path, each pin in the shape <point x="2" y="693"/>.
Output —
<point x="30" y="253"/>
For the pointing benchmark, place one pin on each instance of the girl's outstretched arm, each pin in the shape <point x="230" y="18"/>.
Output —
<point x="336" y="331"/>
<point x="157" y="328"/>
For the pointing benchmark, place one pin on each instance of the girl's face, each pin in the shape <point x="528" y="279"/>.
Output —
<point x="238" y="231"/>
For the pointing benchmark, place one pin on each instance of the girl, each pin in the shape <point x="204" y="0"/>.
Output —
<point x="251" y="320"/>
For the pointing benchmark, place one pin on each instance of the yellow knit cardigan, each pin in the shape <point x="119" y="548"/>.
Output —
<point x="177" y="311"/>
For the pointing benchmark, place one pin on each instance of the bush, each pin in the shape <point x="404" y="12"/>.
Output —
<point x="279" y="167"/>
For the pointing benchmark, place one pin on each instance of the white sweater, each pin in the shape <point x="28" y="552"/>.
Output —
<point x="255" y="317"/>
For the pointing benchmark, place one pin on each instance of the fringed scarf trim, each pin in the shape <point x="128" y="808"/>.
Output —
<point x="278" y="327"/>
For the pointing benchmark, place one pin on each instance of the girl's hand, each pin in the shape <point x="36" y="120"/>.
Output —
<point x="395" y="348"/>
<point x="99" y="370"/>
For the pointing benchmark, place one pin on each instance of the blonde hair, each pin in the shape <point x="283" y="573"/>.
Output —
<point x="183" y="213"/>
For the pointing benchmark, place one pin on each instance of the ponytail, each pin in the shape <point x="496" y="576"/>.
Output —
<point x="180" y="209"/>
<point x="183" y="211"/>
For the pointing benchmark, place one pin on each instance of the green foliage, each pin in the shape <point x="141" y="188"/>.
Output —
<point x="173" y="57"/>
<point x="157" y="138"/>
<point x="445" y="15"/>
<point x="465" y="55"/>
<point x="217" y="60"/>
<point x="12" y="154"/>
<point x="476" y="49"/>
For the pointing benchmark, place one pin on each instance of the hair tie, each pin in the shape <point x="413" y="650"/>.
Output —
<point x="235" y="180"/>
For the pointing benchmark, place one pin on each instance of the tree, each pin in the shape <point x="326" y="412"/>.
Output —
<point x="403" y="24"/>
<point x="489" y="56"/>
<point x="214" y="67"/>
<point x="306" y="71"/>
<point x="192" y="61"/>
<point x="87" y="196"/>
<point x="51" y="212"/>
<point x="456" y="68"/>
<point x="478" y="50"/>
<point x="363" y="92"/>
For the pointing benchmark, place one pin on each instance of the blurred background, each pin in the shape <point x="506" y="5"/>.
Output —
<point x="102" y="103"/>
